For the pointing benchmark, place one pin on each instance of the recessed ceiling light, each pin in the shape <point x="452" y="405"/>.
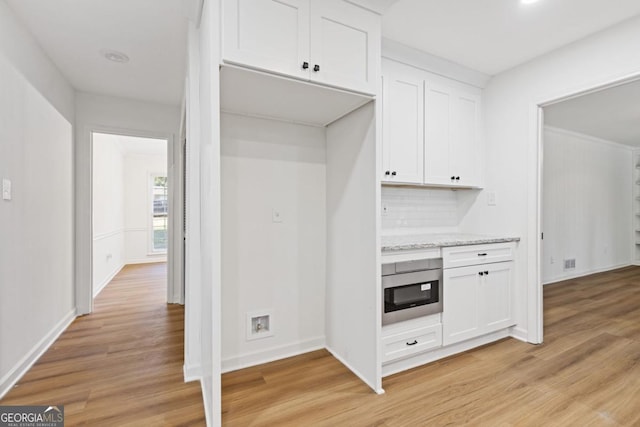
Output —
<point x="528" y="1"/>
<point x="114" y="56"/>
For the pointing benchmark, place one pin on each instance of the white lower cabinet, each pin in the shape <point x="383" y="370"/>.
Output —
<point x="477" y="300"/>
<point x="412" y="341"/>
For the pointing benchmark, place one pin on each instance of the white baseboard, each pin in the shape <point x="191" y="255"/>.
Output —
<point x="355" y="371"/>
<point x="269" y="355"/>
<point x="192" y="372"/>
<point x="105" y="282"/>
<point x="520" y="334"/>
<point x="584" y="273"/>
<point x="396" y="366"/>
<point x="206" y="401"/>
<point x="21" y="368"/>
<point x="151" y="260"/>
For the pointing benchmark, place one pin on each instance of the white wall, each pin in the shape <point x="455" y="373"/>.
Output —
<point x="36" y="248"/>
<point x="108" y="210"/>
<point x="206" y="135"/>
<point x="510" y="102"/>
<point x="353" y="292"/>
<point x="138" y="169"/>
<point x="586" y="204"/>
<point x="108" y="114"/>
<point x="274" y="266"/>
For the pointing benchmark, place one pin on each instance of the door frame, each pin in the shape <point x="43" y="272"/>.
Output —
<point x="84" y="229"/>
<point x="535" y="315"/>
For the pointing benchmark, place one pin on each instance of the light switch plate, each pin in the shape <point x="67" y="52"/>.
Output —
<point x="6" y="189"/>
<point x="276" y="215"/>
<point x="491" y="198"/>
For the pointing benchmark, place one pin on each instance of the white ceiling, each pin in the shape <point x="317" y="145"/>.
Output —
<point x="486" y="35"/>
<point x="612" y="114"/>
<point x="492" y="36"/>
<point x="151" y="32"/>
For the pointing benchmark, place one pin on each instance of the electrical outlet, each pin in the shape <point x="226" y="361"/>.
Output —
<point x="552" y="260"/>
<point x="276" y="216"/>
<point x="6" y="189"/>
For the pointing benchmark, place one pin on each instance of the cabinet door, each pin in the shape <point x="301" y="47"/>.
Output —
<point x="270" y="35"/>
<point x="438" y="110"/>
<point x="402" y="139"/>
<point x="497" y="296"/>
<point x="345" y="46"/>
<point x="465" y="139"/>
<point x="461" y="316"/>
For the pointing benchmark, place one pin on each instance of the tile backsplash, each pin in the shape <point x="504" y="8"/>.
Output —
<point x="426" y="209"/>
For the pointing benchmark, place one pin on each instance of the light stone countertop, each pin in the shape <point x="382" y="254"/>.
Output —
<point x="427" y="241"/>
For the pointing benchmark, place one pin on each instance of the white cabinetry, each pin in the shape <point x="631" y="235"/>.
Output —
<point x="326" y="41"/>
<point x="452" y="129"/>
<point x="431" y="129"/>
<point x="403" y="136"/>
<point x="478" y="298"/>
<point x="406" y="339"/>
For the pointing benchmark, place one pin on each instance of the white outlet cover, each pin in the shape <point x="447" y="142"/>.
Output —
<point x="6" y="189"/>
<point x="491" y="198"/>
<point x="276" y="215"/>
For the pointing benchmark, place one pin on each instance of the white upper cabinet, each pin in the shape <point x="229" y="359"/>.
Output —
<point x="402" y="142"/>
<point x="326" y="41"/>
<point x="465" y="139"/>
<point x="448" y="142"/>
<point x="438" y="115"/>
<point x="267" y="34"/>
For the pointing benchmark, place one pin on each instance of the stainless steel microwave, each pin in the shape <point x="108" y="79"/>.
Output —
<point x="411" y="289"/>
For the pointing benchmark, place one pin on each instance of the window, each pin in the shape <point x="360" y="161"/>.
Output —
<point x="160" y="213"/>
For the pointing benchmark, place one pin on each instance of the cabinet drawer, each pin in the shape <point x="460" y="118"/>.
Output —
<point x="460" y="256"/>
<point x="411" y="342"/>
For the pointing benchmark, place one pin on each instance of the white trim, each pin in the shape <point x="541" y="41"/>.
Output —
<point x="534" y="187"/>
<point x="376" y="6"/>
<point x="415" y="58"/>
<point x="100" y="236"/>
<point x="105" y="282"/>
<point x="584" y="273"/>
<point x="83" y="203"/>
<point x="520" y="334"/>
<point x="206" y="401"/>
<point x="606" y="142"/>
<point x="158" y="259"/>
<point x="450" y="350"/>
<point x="378" y="390"/>
<point x="192" y="372"/>
<point x="276" y="353"/>
<point x="13" y="376"/>
<point x="136" y="229"/>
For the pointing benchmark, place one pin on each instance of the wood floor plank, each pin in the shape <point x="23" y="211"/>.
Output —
<point x="587" y="373"/>
<point x="121" y="365"/>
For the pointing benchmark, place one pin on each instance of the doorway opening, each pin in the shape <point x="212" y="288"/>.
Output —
<point x="130" y="205"/>
<point x="588" y="184"/>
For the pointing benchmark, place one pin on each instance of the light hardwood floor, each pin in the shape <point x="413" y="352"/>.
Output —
<point x="587" y="373"/>
<point x="121" y="365"/>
